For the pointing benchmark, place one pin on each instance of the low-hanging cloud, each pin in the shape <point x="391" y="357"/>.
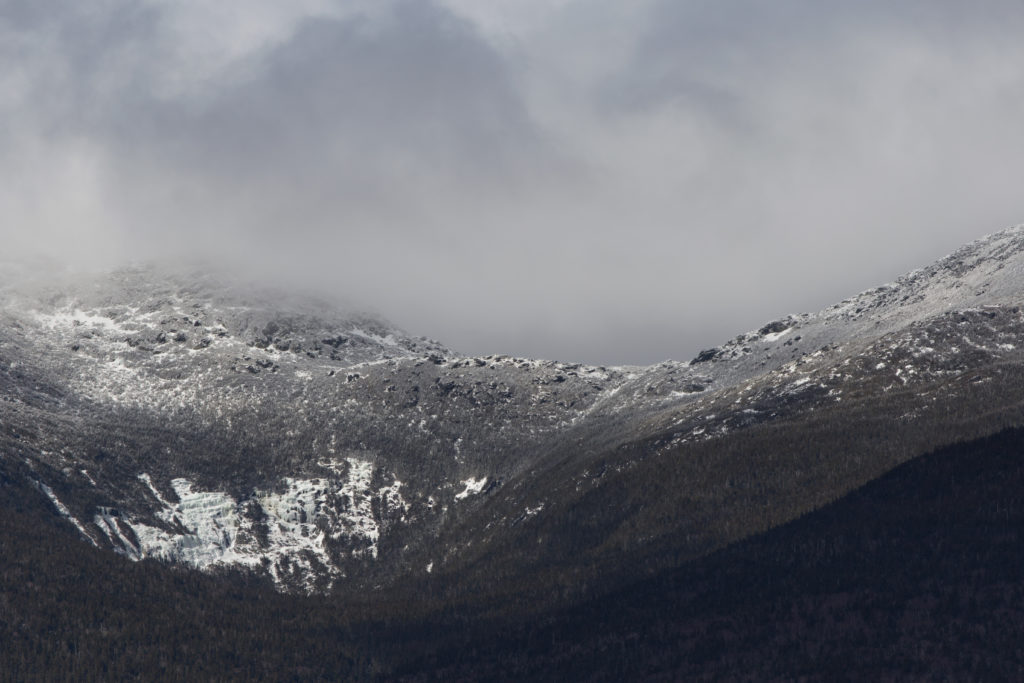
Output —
<point x="580" y="179"/>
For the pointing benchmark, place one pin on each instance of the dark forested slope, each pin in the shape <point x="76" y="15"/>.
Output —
<point x="917" y="575"/>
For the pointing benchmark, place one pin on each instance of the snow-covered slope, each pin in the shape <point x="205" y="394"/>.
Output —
<point x="222" y="401"/>
<point x="988" y="273"/>
<point x="174" y="416"/>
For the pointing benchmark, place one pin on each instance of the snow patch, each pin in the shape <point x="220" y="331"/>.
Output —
<point x="63" y="510"/>
<point x="775" y="336"/>
<point x="70" y="318"/>
<point x="473" y="487"/>
<point x="106" y="521"/>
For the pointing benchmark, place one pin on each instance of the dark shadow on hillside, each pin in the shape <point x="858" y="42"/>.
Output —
<point x="917" y="575"/>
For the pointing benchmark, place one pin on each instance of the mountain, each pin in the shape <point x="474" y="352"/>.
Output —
<point x="174" y="415"/>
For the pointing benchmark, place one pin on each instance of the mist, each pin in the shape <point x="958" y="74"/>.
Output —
<point x="614" y="183"/>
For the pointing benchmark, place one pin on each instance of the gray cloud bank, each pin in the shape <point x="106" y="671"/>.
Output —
<point x="580" y="179"/>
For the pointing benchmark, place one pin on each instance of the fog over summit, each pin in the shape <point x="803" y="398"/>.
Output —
<point x="579" y="180"/>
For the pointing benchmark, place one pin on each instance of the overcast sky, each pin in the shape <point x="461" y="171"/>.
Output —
<point x="593" y="180"/>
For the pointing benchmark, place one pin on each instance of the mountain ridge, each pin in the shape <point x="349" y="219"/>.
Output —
<point x="336" y="452"/>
